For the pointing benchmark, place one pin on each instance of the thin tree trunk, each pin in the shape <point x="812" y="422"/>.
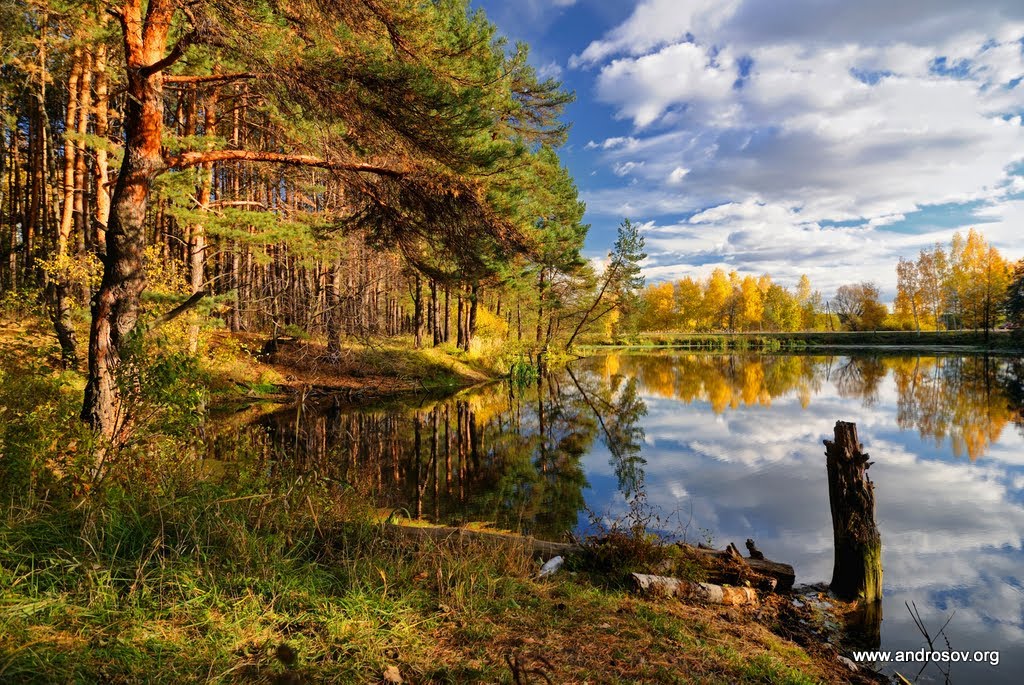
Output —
<point x="418" y="311"/>
<point x="101" y="204"/>
<point x="61" y="286"/>
<point x="70" y="151"/>
<point x="447" y="315"/>
<point x="600" y="295"/>
<point x="82" y="128"/>
<point x="197" y="243"/>
<point x="334" y="312"/>
<point x="433" y="313"/>
<point x="474" y="299"/>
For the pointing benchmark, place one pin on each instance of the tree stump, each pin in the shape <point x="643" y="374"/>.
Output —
<point x="857" y="572"/>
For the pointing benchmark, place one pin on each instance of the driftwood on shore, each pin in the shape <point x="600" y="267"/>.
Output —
<point x="709" y="593"/>
<point x="782" y="574"/>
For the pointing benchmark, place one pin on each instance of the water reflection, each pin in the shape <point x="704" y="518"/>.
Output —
<point x="966" y="400"/>
<point x="735" y="440"/>
<point x="509" y="456"/>
<point x="514" y="456"/>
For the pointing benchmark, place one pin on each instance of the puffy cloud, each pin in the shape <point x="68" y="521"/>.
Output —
<point x="645" y="87"/>
<point x="654" y="23"/>
<point x="857" y="123"/>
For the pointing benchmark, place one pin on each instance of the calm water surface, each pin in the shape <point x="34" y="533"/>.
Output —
<point x="728" y="447"/>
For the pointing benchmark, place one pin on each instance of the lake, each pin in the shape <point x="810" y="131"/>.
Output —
<point x="721" y="448"/>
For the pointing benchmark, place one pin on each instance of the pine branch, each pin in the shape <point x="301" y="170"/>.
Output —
<point x="195" y="158"/>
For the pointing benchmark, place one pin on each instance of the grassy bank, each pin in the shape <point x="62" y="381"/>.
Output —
<point x="160" y="569"/>
<point x="995" y="341"/>
<point x="211" y="586"/>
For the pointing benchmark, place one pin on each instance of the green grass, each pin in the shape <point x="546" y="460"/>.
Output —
<point x="213" y="586"/>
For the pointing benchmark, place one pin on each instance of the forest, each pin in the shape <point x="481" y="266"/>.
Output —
<point x="338" y="171"/>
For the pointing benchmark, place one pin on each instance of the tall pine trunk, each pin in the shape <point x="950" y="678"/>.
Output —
<point x="115" y="306"/>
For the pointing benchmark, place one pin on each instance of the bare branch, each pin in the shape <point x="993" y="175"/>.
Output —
<point x="176" y="312"/>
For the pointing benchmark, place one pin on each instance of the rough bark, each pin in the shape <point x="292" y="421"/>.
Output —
<point x="115" y="307"/>
<point x="857" y="571"/>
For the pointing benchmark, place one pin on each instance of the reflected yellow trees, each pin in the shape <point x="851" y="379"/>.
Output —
<point x="961" y="399"/>
<point x="965" y="400"/>
<point x="723" y="381"/>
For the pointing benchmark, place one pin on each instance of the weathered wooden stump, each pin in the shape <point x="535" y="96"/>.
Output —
<point x="857" y="572"/>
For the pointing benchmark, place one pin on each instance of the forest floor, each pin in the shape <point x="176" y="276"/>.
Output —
<point x="167" y="573"/>
<point x="360" y="371"/>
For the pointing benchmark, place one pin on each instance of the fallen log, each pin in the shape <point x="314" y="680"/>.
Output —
<point x="709" y="593"/>
<point x="783" y="574"/>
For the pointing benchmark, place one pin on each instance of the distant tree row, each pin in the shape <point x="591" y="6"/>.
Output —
<point x="970" y="285"/>
<point x="730" y="302"/>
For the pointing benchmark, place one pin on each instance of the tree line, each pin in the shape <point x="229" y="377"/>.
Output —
<point x="340" y="170"/>
<point x="730" y="302"/>
<point x="970" y="285"/>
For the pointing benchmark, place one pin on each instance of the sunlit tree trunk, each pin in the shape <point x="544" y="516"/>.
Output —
<point x="115" y="306"/>
<point x="197" y="241"/>
<point x="101" y="202"/>
<point x="77" y="97"/>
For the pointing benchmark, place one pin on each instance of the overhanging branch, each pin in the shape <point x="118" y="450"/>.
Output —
<point x="195" y="158"/>
<point x="210" y="78"/>
<point x="176" y="312"/>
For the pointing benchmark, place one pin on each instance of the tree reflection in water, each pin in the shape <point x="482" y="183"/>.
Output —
<point x="966" y="400"/>
<point x="506" y="455"/>
<point x="513" y="456"/>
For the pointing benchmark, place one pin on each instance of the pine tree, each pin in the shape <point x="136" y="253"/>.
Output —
<point x="621" y="281"/>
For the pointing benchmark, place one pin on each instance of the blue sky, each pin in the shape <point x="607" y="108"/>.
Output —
<point x="823" y="137"/>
